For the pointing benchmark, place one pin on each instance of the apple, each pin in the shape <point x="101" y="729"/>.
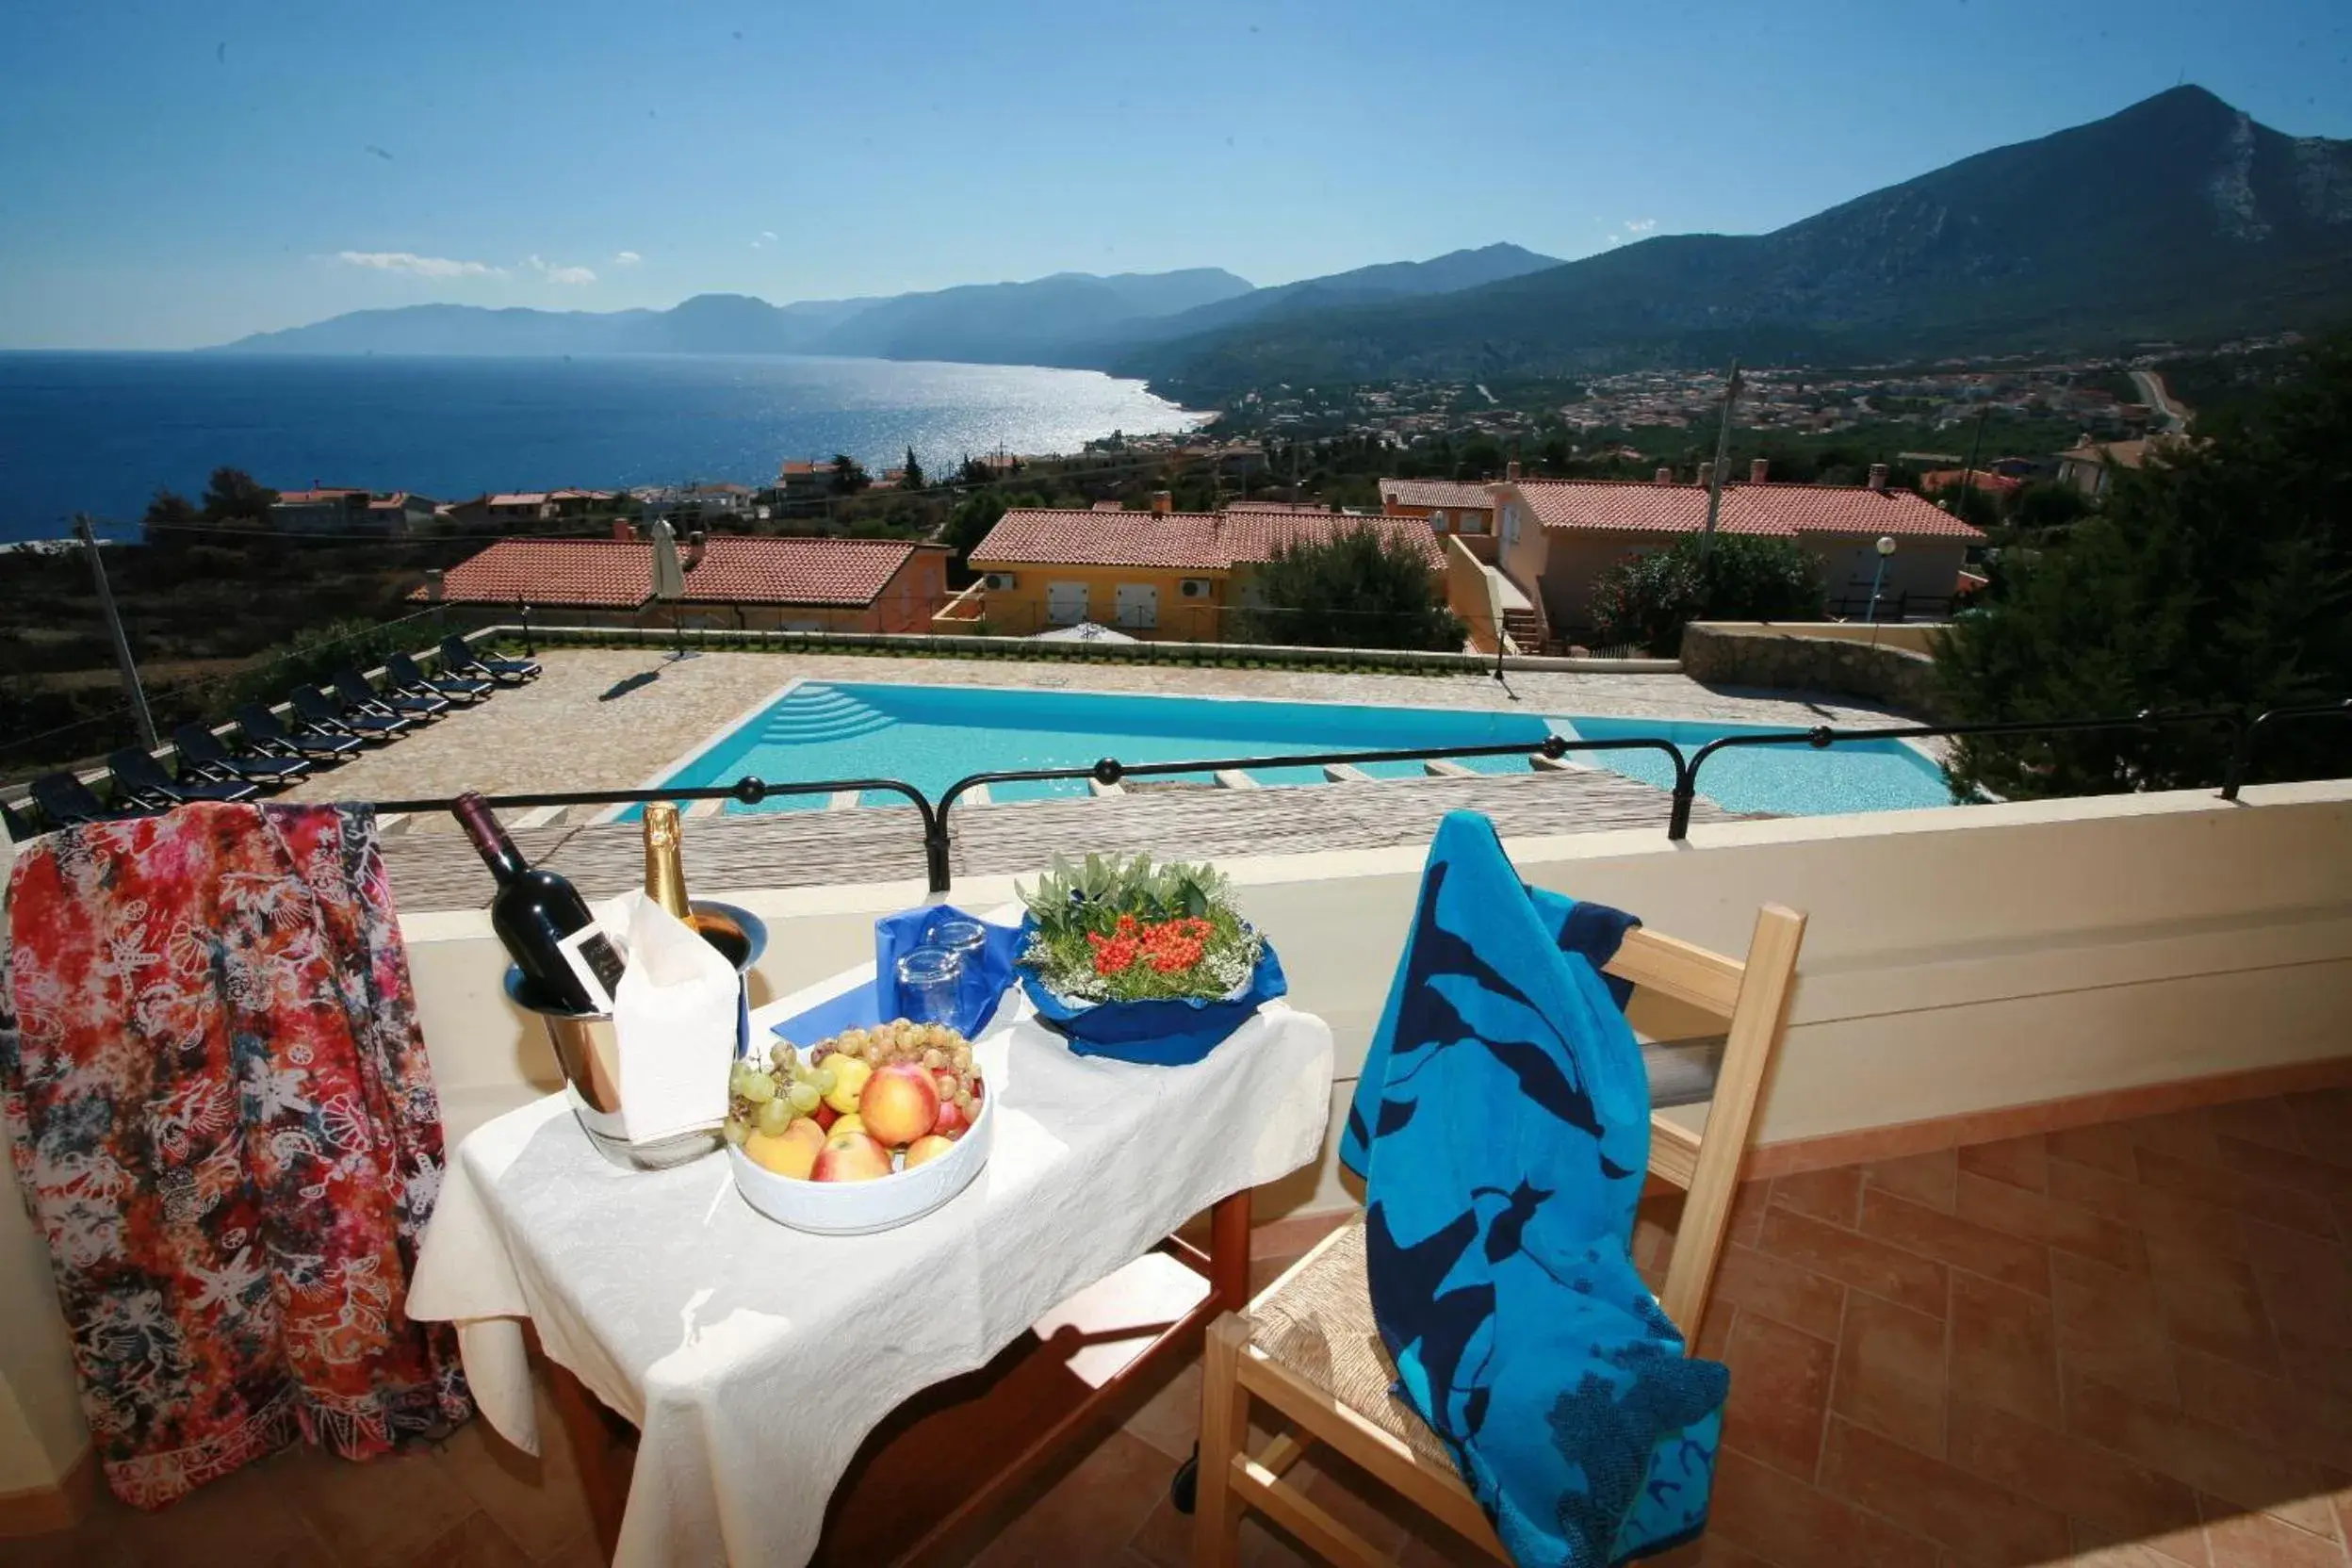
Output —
<point x="853" y="1122"/>
<point x="850" y="1157"/>
<point x="849" y="1081"/>
<point x="899" y="1104"/>
<point x="826" y="1116"/>
<point x="951" y="1119"/>
<point x="790" y="1152"/>
<point x="925" y="1150"/>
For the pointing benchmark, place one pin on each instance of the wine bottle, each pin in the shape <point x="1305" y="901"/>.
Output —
<point x="569" y="959"/>
<point x="665" y="880"/>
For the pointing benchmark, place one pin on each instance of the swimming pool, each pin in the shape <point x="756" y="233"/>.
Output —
<point x="931" y="736"/>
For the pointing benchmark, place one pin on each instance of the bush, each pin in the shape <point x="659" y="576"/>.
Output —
<point x="1649" y="599"/>
<point x="1359" y="589"/>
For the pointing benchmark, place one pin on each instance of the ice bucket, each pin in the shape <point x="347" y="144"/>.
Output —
<point x="588" y="1050"/>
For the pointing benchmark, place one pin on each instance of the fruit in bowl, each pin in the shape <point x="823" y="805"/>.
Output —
<point x="856" y="1107"/>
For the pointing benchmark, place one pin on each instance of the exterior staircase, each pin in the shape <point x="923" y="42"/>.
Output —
<point x="1525" y="628"/>
<point x="816" y="713"/>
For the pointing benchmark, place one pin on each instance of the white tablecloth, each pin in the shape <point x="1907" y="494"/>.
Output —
<point x="755" y="1358"/>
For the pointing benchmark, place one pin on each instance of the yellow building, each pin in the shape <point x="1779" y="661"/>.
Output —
<point x="1158" y="575"/>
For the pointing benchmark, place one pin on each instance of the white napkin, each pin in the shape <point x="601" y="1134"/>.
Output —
<point x="674" y="1018"/>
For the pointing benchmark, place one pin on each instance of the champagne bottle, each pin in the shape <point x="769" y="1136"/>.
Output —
<point x="569" y="959"/>
<point x="665" y="881"/>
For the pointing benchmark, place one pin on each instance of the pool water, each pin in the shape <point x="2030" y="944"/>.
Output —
<point x="931" y="736"/>
<point x="1790" y="780"/>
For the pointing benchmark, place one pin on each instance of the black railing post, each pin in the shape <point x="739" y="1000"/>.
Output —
<point x="2241" y="755"/>
<point x="935" y="848"/>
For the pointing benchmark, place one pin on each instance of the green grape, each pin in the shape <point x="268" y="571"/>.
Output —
<point x="804" y="1098"/>
<point x="760" y="1088"/>
<point x="736" y="1076"/>
<point x="774" y="1117"/>
<point x="735" y="1131"/>
<point x="824" y="1080"/>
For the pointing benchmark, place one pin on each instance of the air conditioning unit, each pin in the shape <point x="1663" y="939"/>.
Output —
<point x="999" y="582"/>
<point x="1194" y="588"/>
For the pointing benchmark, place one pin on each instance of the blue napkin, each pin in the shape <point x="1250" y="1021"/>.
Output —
<point x="895" y="936"/>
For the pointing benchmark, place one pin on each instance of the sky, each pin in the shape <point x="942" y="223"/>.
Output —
<point x="183" y="173"/>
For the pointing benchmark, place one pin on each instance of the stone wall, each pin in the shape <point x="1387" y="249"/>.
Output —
<point x="1724" y="654"/>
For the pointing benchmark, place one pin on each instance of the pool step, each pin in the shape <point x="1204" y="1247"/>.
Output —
<point x="815" y="714"/>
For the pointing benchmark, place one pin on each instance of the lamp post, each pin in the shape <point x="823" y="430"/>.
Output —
<point x="1885" y="547"/>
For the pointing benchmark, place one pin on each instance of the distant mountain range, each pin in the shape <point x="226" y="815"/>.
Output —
<point x="2178" y="217"/>
<point x="1068" y="319"/>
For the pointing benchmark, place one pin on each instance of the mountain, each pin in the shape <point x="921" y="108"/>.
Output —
<point x="996" y="324"/>
<point x="1392" y="280"/>
<point x="2178" y="217"/>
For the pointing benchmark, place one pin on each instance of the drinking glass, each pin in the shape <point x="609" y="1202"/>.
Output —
<point x="929" y="979"/>
<point x="964" y="938"/>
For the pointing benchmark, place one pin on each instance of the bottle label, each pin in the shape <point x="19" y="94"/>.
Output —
<point x="595" y="962"/>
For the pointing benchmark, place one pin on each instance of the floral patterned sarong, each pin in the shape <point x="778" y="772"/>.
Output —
<point x="224" y="1123"/>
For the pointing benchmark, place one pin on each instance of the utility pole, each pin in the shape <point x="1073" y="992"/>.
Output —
<point x="114" y="628"/>
<point x="1723" y="457"/>
<point x="1968" y="475"/>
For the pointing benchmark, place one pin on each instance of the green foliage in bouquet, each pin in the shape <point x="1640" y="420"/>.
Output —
<point x="1120" y="929"/>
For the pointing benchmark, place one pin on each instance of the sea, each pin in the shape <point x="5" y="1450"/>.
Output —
<point x="101" y="433"/>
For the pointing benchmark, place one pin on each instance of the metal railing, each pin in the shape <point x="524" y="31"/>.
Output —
<point x="936" y="818"/>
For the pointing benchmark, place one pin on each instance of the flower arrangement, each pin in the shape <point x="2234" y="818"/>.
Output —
<point x="1116" y="930"/>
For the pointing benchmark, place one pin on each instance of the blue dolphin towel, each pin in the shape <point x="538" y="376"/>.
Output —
<point x="1502" y="1131"/>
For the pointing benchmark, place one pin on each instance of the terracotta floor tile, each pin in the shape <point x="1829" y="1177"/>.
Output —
<point x="2305" y="1259"/>
<point x="2275" y="1412"/>
<point x="1715" y="1329"/>
<point x="1796" y="1526"/>
<point x="93" y="1544"/>
<point x="2211" y="1304"/>
<point x="1782" y="1291"/>
<point x="247" y="1519"/>
<point x="1981" y="1522"/>
<point x="1708" y="1552"/>
<point x="2315" y="1364"/>
<point x="2076" y="1478"/>
<point x="2111" y="1327"/>
<point x="1924" y="1179"/>
<point x="2207" y="1457"/>
<point x="2034" y="1216"/>
<point x="384" y="1511"/>
<point x="2291" y="1207"/>
<point x="2242" y="1540"/>
<point x="2190" y="1222"/>
<point x="1102" y="1502"/>
<point x="2104" y="1146"/>
<point x="1960" y="1243"/>
<point x="1169" y="1420"/>
<point x="1862" y="1262"/>
<point x="1779" y="1393"/>
<point x="535" y="1502"/>
<point x="2286" y="1168"/>
<point x="2095" y="1548"/>
<point x="1890" y="1373"/>
<point x="476" y="1543"/>
<point x="2268" y="1121"/>
<point x="2182" y="1135"/>
<point x="2004" y="1348"/>
<point x="2324" y="1119"/>
<point x="1832" y="1195"/>
<point x="1165" y="1540"/>
<point x="1746" y="1227"/>
<point x="2020" y="1162"/>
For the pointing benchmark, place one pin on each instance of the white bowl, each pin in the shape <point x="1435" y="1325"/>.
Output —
<point x="861" y="1208"/>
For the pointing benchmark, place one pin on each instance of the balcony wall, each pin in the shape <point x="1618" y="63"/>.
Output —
<point x="1958" y="962"/>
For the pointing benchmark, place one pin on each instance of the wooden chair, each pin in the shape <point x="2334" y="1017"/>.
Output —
<point x="1309" y="1348"/>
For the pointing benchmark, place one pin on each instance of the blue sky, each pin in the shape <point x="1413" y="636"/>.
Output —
<point x="184" y="171"/>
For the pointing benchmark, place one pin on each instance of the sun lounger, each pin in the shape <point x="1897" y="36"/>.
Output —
<point x="202" y="753"/>
<point x="402" y="671"/>
<point x="138" y="777"/>
<point x="356" y="693"/>
<point x="323" y="713"/>
<point x="272" y="737"/>
<point x="458" y="657"/>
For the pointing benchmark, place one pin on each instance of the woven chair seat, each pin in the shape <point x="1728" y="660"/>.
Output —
<point x="1318" y="1324"/>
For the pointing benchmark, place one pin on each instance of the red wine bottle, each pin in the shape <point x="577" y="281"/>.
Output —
<point x="569" y="959"/>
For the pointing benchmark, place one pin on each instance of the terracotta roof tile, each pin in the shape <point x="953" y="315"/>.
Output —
<point x="1784" y="511"/>
<point x="615" y="574"/>
<point x="1181" y="541"/>
<point x="1436" y="492"/>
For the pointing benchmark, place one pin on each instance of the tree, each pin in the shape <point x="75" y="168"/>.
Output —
<point x="974" y="515"/>
<point x="912" y="478"/>
<point x="1648" y="601"/>
<point x="849" y="475"/>
<point x="2219" y="577"/>
<point x="1358" y="589"/>
<point x="168" y="517"/>
<point x="2047" y="503"/>
<point x="235" y="496"/>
